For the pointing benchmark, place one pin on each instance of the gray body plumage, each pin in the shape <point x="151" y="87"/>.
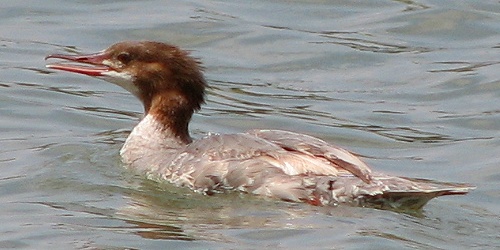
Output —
<point x="279" y="164"/>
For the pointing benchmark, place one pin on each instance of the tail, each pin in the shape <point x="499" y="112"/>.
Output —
<point x="422" y="191"/>
<point x="383" y="192"/>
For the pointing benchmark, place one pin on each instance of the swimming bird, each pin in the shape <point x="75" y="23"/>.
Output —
<point x="274" y="163"/>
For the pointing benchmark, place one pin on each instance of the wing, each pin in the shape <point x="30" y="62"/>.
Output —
<point x="309" y="145"/>
<point x="247" y="159"/>
<point x="292" y="153"/>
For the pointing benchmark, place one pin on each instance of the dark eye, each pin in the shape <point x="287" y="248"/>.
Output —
<point x="124" y="57"/>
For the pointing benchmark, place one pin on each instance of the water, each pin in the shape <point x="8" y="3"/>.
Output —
<point x="413" y="87"/>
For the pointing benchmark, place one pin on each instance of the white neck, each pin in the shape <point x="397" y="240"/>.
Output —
<point x="149" y="143"/>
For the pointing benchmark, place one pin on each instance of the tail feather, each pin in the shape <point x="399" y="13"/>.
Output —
<point x="414" y="198"/>
<point x="384" y="192"/>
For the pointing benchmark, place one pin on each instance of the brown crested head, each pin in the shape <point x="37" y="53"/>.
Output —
<point x="147" y="69"/>
<point x="167" y="80"/>
<point x="159" y="68"/>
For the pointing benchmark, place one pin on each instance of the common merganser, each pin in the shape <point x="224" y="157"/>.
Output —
<point x="274" y="163"/>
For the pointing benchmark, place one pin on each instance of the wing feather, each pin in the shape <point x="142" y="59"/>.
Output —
<point x="318" y="148"/>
